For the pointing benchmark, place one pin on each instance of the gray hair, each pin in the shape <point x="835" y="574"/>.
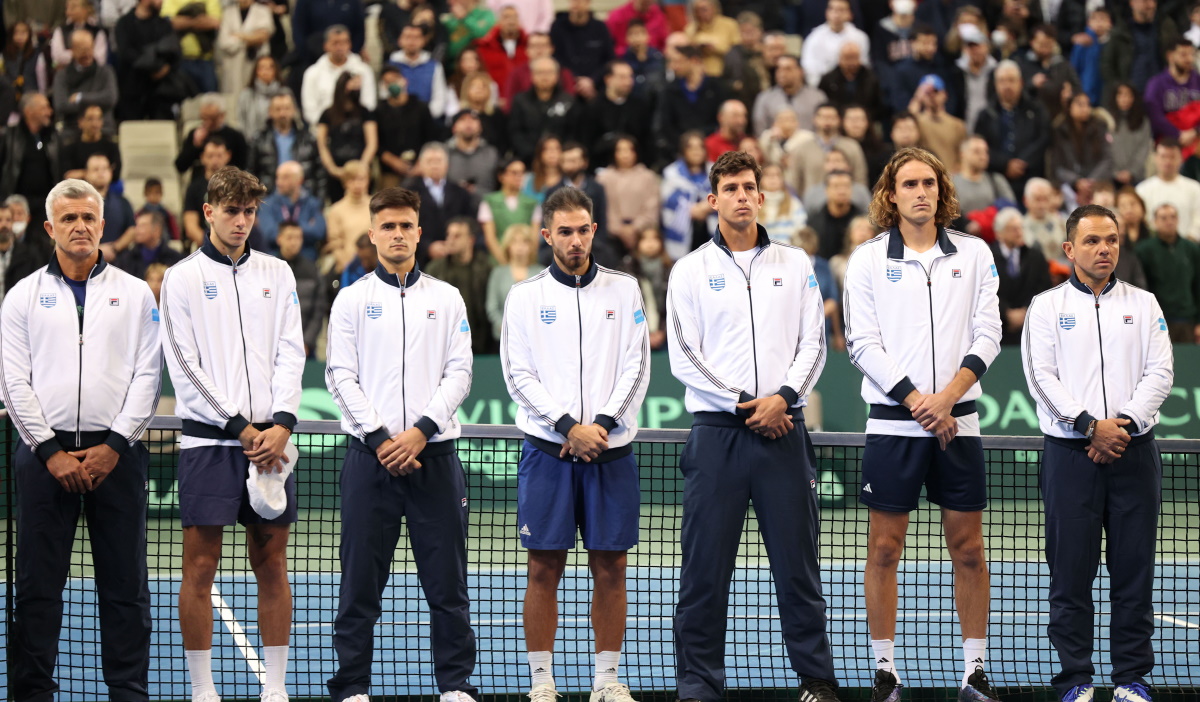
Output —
<point x="1005" y="217"/>
<point x="72" y="189"/>
<point x="213" y="100"/>
<point x="1033" y="183"/>
<point x="433" y="146"/>
<point x="27" y="100"/>
<point x="336" y="29"/>
<point x="1006" y="65"/>
<point x="18" y="200"/>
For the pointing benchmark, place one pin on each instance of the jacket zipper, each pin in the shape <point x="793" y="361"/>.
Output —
<point x="79" y="389"/>
<point x="242" y="328"/>
<point x="932" y="334"/>
<point x="750" y="298"/>
<point x="579" y="315"/>
<point x="403" y="352"/>
<point x="1100" y="337"/>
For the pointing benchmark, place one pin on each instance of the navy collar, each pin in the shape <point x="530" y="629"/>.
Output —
<point x="761" y="241"/>
<point x="896" y="243"/>
<point x="569" y="280"/>
<point x="54" y="269"/>
<point x="1078" y="284"/>
<point x="211" y="251"/>
<point x="410" y="278"/>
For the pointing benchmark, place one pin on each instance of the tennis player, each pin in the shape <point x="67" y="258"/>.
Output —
<point x="80" y="369"/>
<point x="923" y="324"/>
<point x="235" y="352"/>
<point x="1098" y="359"/>
<point x="399" y="366"/>
<point x="576" y="359"/>
<point x="747" y="339"/>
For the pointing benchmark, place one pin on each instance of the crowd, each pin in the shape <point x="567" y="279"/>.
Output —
<point x="485" y="107"/>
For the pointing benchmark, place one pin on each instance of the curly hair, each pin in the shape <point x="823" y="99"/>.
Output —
<point x="883" y="211"/>
<point x="232" y="185"/>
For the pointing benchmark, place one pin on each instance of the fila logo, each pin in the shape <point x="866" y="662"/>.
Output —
<point x="956" y="273"/>
<point x="266" y="292"/>
<point x="777" y="282"/>
<point x="114" y="302"/>
<point x="867" y="488"/>
<point x="430" y="314"/>
<point x="464" y="502"/>
<point x="1128" y="319"/>
<point x="610" y="314"/>
<point x="524" y="530"/>
<point x="812" y="484"/>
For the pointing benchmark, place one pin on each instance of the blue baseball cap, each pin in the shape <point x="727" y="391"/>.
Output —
<point x="934" y="80"/>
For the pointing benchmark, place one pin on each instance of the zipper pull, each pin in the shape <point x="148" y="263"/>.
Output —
<point x="81" y="339"/>
<point x="577" y="281"/>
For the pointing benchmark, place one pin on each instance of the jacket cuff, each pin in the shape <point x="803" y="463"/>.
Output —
<point x="48" y="448"/>
<point x="901" y="390"/>
<point x="789" y="395"/>
<point x="287" y="420"/>
<point x="742" y="398"/>
<point x="376" y="438"/>
<point x="565" y="424"/>
<point x="606" y="421"/>
<point x="116" y="442"/>
<point x="1082" y="422"/>
<point x="1132" y="422"/>
<point x="427" y="426"/>
<point x="974" y="364"/>
<point x="236" y="425"/>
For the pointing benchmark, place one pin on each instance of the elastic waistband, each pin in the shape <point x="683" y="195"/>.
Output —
<point x="440" y="448"/>
<point x="87" y="439"/>
<point x="902" y="413"/>
<point x="734" y="421"/>
<point x="554" y="449"/>
<point x="200" y="430"/>
<point x="1082" y="444"/>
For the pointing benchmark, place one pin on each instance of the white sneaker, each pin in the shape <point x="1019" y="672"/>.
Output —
<point x="210" y="696"/>
<point x="543" y="693"/>
<point x="456" y="696"/>
<point x="273" y="696"/>
<point x="612" y="692"/>
<point x="357" y="698"/>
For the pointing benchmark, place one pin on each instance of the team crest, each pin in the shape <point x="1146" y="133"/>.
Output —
<point x="894" y="273"/>
<point x="548" y="314"/>
<point x="716" y="282"/>
<point x="1128" y="319"/>
<point x="1066" y="321"/>
<point x="210" y="289"/>
<point x="47" y="301"/>
<point x="374" y="310"/>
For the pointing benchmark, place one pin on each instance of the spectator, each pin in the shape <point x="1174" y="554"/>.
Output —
<point x="79" y="18"/>
<point x="521" y="78"/>
<point x="212" y="123"/>
<point x="423" y="75"/>
<point x="891" y="39"/>
<point x="1022" y="269"/>
<point x="1168" y="185"/>
<point x="782" y="213"/>
<point x="731" y="127"/>
<point x="1081" y="155"/>
<point x="648" y="63"/>
<point x="859" y="230"/>
<point x="364" y="259"/>
<point x="910" y="73"/>
<point x="649" y="263"/>
<point x="1129" y="267"/>
<point x="546" y="170"/>
<point x="517" y="261"/>
<point x="1172" y="265"/>
<point x="292" y="202"/>
<point x="118" y="213"/>
<point x="91" y="141"/>
<point x="1131" y="215"/>
<point x="24" y="62"/>
<point x="614" y="112"/>
<point x="790" y="92"/>
<point x="1135" y="50"/>
<point x="1044" y="71"/>
<point x="532" y="15"/>
<point x="244" y="36"/>
<point x="435" y="36"/>
<point x="852" y="83"/>
<point x="713" y="33"/>
<point x="582" y="44"/>
<point x="282" y="140"/>
<point x="688" y="220"/>
<point x="1171" y="96"/>
<point x="691" y="101"/>
<point x="321" y="78"/>
<point x="648" y="14"/>
<point x="505" y="208"/>
<point x="254" y="99"/>
<point x="7" y="248"/>
<point x="974" y="74"/>
<point x="479" y="94"/>
<point x="347" y="131"/>
<point x="835" y="161"/>
<point x="978" y="188"/>
<point x="441" y="201"/>
<point x="806" y="238"/>
<point x="196" y="23"/>
<point x="823" y="45"/>
<point x="1044" y="226"/>
<point x="1131" y="138"/>
<point x="148" y="79"/>
<point x="149" y="246"/>
<point x="310" y="287"/>
<point x="467" y="64"/>
<point x="312" y="22"/>
<point x="632" y="192"/>
<point x="344" y="220"/>
<point x="82" y="84"/>
<point x="809" y="167"/>
<point x="779" y="142"/>
<point x="468" y="270"/>
<point x="1016" y="129"/>
<point x="831" y="221"/>
<point x="24" y="254"/>
<point x="214" y="156"/>
<point x="473" y="161"/>
<point x="409" y="126"/>
<point x="856" y="125"/>
<point x="503" y="50"/>
<point x="575" y="175"/>
<point x="941" y="133"/>
<point x="745" y="70"/>
<point x="31" y="157"/>
<point x="544" y="109"/>
<point x="1085" y="56"/>
<point x="905" y="131"/>
<point x="467" y="22"/>
<point x="152" y="191"/>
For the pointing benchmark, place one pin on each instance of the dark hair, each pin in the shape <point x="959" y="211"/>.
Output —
<point x="1168" y="142"/>
<point x="537" y="166"/>
<point x="155" y="216"/>
<point x="617" y="139"/>
<point x="689" y="52"/>
<point x="216" y="140"/>
<point x="1048" y="30"/>
<point x="565" y="199"/>
<point x="290" y="224"/>
<point x="1137" y="111"/>
<point x="611" y="66"/>
<point x="634" y="23"/>
<point x="394" y="199"/>
<point x="732" y="163"/>
<point x="1082" y="213"/>
<point x="232" y="185"/>
<point x="337" y="111"/>
<point x="1175" y="44"/>
<point x="838" y="174"/>
<point x="151" y="183"/>
<point x="10" y="47"/>
<point x="924" y="29"/>
<point x="828" y="106"/>
<point x="469" y="223"/>
<point x="572" y="145"/>
<point x="504" y="163"/>
<point x="254" y="73"/>
<point x="884" y="212"/>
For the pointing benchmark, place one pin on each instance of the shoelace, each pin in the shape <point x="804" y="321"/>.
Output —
<point x="979" y="681"/>
<point x="617" y="691"/>
<point x="543" y="694"/>
<point x="1140" y="689"/>
<point x="822" y="689"/>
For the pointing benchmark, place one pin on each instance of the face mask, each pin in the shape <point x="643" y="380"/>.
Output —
<point x="904" y="7"/>
<point x="395" y="89"/>
<point x="19" y="228"/>
<point x="353" y="94"/>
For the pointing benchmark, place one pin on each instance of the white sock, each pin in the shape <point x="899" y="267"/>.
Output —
<point x="974" y="655"/>
<point x="199" y="665"/>
<point x="885" y="656"/>
<point x="276" y="660"/>
<point x="541" y="667"/>
<point x="607" y="665"/>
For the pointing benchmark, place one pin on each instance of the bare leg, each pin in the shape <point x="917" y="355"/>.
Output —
<point x="201" y="554"/>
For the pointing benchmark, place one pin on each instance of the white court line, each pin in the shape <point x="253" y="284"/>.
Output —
<point x="239" y="635"/>
<point x="1176" y="622"/>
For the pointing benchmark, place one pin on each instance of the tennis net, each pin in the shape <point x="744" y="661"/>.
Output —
<point x="1021" y="660"/>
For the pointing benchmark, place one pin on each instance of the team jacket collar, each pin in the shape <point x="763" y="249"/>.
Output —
<point x="410" y="278"/>
<point x="56" y="270"/>
<point x="763" y="239"/>
<point x="211" y="251"/>
<point x="1078" y="284"/>
<point x="896" y="243"/>
<point x="569" y="280"/>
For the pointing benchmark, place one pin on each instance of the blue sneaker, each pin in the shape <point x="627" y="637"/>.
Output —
<point x="1080" y="693"/>
<point x="978" y="688"/>
<point x="1133" y="692"/>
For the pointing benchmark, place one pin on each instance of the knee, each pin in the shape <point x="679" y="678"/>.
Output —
<point x="270" y="567"/>
<point x="968" y="553"/>
<point x="545" y="570"/>
<point x="608" y="573"/>
<point x="200" y="569"/>
<point x="884" y="551"/>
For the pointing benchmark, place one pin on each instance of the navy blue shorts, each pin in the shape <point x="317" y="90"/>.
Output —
<point x="212" y="489"/>
<point x="555" y="497"/>
<point x="895" y="467"/>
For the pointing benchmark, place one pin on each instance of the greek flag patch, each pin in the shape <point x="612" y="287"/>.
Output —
<point x="210" y="289"/>
<point x="374" y="310"/>
<point x="894" y="273"/>
<point x="47" y="301"/>
<point x="716" y="282"/>
<point x="548" y="314"/>
<point x="1066" y="321"/>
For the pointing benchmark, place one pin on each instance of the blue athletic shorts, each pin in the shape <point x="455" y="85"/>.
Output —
<point x="556" y="497"/>
<point x="894" y="468"/>
<point x="212" y="489"/>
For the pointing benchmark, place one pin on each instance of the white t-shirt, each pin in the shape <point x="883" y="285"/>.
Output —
<point x="743" y="259"/>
